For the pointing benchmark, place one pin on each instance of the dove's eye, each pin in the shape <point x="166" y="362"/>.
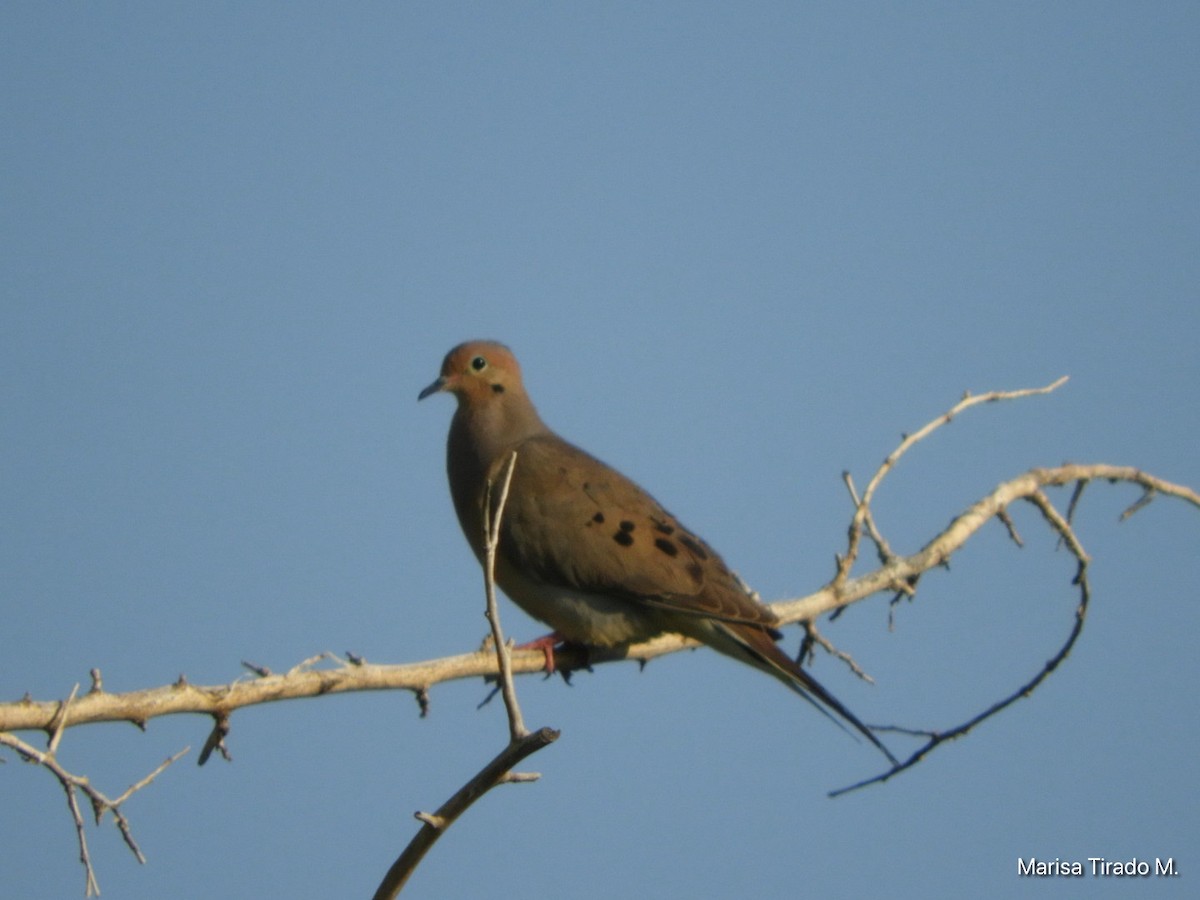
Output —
<point x="479" y="364"/>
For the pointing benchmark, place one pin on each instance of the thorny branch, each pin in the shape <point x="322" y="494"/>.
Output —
<point x="73" y="785"/>
<point x="896" y="574"/>
<point x="344" y="676"/>
<point x="903" y="573"/>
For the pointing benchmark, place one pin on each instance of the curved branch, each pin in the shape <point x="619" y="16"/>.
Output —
<point x="901" y="570"/>
<point x="1067" y="535"/>
<point x="896" y="574"/>
<point x="862" y="512"/>
<point x="345" y="676"/>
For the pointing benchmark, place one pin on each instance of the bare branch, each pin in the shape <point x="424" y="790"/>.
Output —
<point x="138" y="707"/>
<point x="101" y="804"/>
<point x="60" y="722"/>
<point x="182" y="697"/>
<point x="883" y="550"/>
<point x="435" y="824"/>
<point x="216" y="740"/>
<point x="862" y="510"/>
<point x="91" y="886"/>
<point x="1076" y="496"/>
<point x="327" y="674"/>
<point x="521" y="743"/>
<point x="491" y="528"/>
<point x="1059" y="524"/>
<point x="813" y="636"/>
<point x="1006" y="519"/>
<point x="1142" y="501"/>
<point x="955" y="535"/>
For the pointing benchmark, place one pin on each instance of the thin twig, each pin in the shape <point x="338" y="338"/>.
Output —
<point x="882" y="549"/>
<point x="91" y="884"/>
<point x="491" y="527"/>
<point x="1142" y="501"/>
<point x="1006" y="520"/>
<point x="521" y="742"/>
<point x="1067" y="535"/>
<point x="1076" y="496"/>
<point x="306" y="664"/>
<point x="862" y="506"/>
<point x="216" y="739"/>
<point x="435" y="824"/>
<point x="73" y="785"/>
<point x="813" y="636"/>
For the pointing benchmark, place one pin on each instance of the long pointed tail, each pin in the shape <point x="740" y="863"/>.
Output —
<point x="765" y="654"/>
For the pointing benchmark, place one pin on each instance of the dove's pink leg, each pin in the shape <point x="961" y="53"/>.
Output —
<point x="546" y="644"/>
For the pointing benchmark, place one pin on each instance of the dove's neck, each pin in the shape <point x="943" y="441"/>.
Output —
<point x="481" y="433"/>
<point x="480" y="436"/>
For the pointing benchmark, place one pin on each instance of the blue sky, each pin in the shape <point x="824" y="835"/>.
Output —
<point x="738" y="248"/>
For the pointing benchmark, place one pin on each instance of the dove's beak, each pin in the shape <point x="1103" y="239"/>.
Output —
<point x="439" y="385"/>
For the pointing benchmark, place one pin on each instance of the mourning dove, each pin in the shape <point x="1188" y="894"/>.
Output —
<point x="583" y="548"/>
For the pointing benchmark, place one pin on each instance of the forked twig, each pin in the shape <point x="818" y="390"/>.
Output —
<point x="862" y="504"/>
<point x="434" y="825"/>
<point x="74" y="785"/>
<point x="813" y="637"/>
<point x="1067" y="536"/>
<point x="521" y="742"/>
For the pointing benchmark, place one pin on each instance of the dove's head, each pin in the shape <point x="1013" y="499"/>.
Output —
<point x="478" y="373"/>
<point x="494" y="413"/>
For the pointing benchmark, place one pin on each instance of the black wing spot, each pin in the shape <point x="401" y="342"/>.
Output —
<point x="664" y="527"/>
<point x="598" y="518"/>
<point x="626" y="525"/>
<point x="696" y="572"/>
<point x="694" y="545"/>
<point x="624" y="538"/>
<point x="497" y="389"/>
<point x="666" y="546"/>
